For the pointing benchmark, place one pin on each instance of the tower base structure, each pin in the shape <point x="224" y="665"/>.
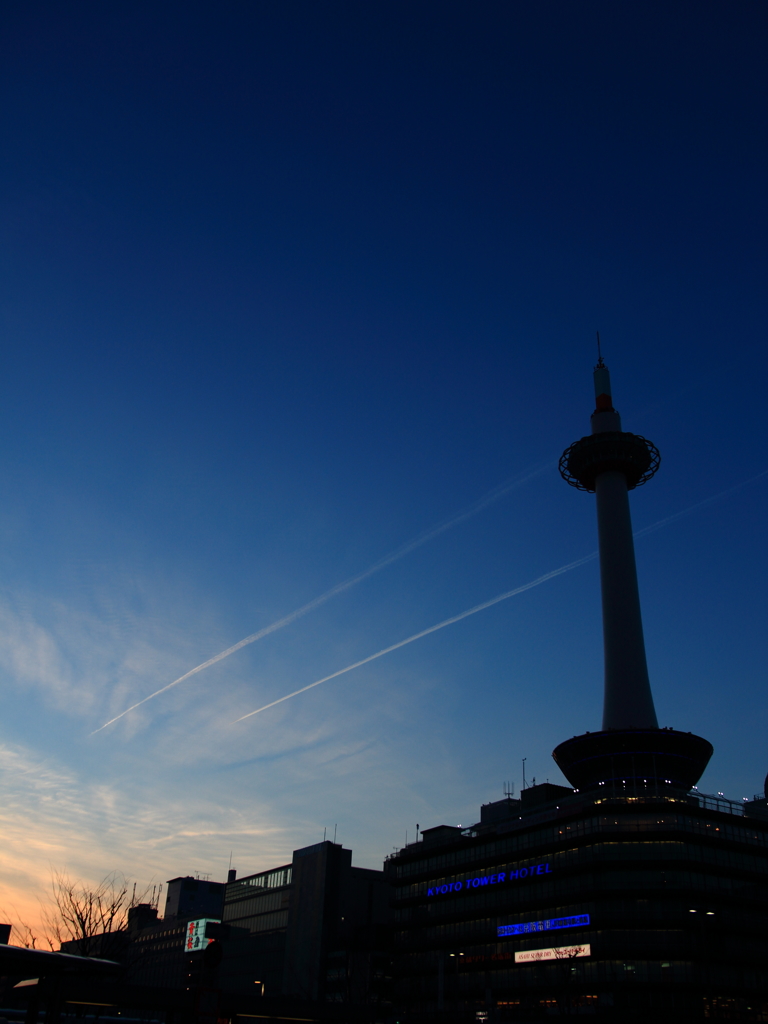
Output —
<point x="631" y="761"/>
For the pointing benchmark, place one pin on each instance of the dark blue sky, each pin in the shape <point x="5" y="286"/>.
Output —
<point x="286" y="284"/>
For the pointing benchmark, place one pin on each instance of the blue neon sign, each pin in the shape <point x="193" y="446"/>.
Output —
<point x="491" y="879"/>
<point x="543" y="926"/>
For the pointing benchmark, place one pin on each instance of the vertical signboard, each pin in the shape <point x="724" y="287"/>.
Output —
<point x="195" y="937"/>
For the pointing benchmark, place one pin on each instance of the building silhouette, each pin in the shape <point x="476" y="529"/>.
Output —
<point x="313" y="930"/>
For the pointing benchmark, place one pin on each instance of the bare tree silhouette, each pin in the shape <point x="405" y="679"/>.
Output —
<point x="22" y="934"/>
<point x="90" y="918"/>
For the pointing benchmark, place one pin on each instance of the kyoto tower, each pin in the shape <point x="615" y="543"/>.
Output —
<point x="630" y="753"/>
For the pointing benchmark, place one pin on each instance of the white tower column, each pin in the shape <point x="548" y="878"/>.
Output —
<point x="628" y="702"/>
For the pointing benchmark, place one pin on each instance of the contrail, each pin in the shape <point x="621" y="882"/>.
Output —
<point x="432" y="629"/>
<point x="501" y="597"/>
<point x="394" y="556"/>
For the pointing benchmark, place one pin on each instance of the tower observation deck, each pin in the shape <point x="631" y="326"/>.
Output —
<point x="630" y="751"/>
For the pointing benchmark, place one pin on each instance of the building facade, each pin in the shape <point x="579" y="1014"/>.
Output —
<point x="647" y="907"/>
<point x="157" y="949"/>
<point x="314" y="929"/>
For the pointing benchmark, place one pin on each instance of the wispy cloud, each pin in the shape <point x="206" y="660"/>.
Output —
<point x="394" y="556"/>
<point x="69" y="655"/>
<point x="54" y="818"/>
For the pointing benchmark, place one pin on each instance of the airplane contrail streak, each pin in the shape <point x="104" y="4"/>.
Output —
<point x="432" y="629"/>
<point x="394" y="556"/>
<point x="501" y="597"/>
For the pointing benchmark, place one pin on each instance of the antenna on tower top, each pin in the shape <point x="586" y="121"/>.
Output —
<point x="600" y="363"/>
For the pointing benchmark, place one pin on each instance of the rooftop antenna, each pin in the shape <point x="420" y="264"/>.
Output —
<point x="230" y="862"/>
<point x="334" y="832"/>
<point x="600" y="362"/>
<point x="524" y="760"/>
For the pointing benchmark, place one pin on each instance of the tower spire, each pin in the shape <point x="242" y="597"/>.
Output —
<point x="600" y="362"/>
